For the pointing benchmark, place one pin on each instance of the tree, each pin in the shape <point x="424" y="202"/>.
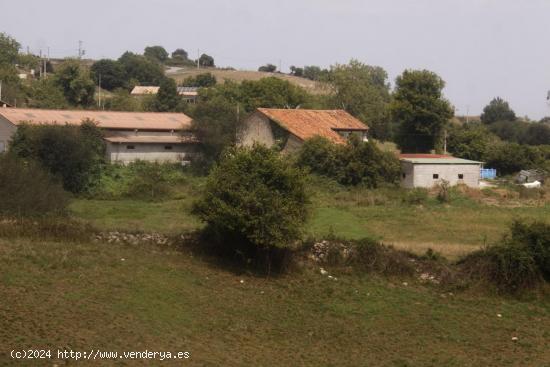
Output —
<point x="156" y="53"/>
<point x="256" y="196"/>
<point x="420" y="110"/>
<point x="73" y="153"/>
<point x="296" y="71"/>
<point x="9" y="49"/>
<point x="363" y="91"/>
<point x="268" y="68"/>
<point x="111" y="72"/>
<point x="167" y="98"/>
<point x="206" y="60"/>
<point x="11" y="84"/>
<point x="203" y="80"/>
<point x="45" y="93"/>
<point x="313" y="72"/>
<point x="270" y="92"/>
<point x="471" y="141"/>
<point x="537" y="134"/>
<point x="122" y="100"/>
<point x="180" y="53"/>
<point x="215" y="125"/>
<point x="497" y="110"/>
<point x="141" y="69"/>
<point x="75" y="82"/>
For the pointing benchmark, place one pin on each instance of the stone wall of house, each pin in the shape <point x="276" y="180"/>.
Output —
<point x="7" y="129"/>
<point x="255" y="129"/>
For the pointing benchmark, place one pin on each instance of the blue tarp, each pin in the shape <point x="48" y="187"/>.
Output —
<point x="488" y="173"/>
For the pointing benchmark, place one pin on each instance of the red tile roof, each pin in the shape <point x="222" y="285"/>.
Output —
<point x="104" y="119"/>
<point x="306" y="124"/>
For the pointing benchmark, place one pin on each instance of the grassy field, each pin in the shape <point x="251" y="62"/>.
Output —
<point x="452" y="229"/>
<point x="122" y="298"/>
<point x="240" y="75"/>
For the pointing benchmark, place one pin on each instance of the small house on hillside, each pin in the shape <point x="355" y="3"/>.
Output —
<point x="129" y="136"/>
<point x="288" y="129"/>
<point x="428" y="170"/>
<point x="189" y="94"/>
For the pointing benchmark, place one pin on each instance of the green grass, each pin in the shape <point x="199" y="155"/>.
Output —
<point x="85" y="296"/>
<point x="452" y="229"/>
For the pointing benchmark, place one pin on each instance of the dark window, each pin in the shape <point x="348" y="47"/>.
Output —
<point x="167" y="147"/>
<point x="130" y="147"/>
<point x="404" y="175"/>
<point x="460" y="176"/>
<point x="436" y="176"/>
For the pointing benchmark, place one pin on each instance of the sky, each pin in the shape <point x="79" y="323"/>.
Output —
<point x="481" y="48"/>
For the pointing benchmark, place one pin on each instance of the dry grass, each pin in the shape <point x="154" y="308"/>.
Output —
<point x="240" y="75"/>
<point x="83" y="296"/>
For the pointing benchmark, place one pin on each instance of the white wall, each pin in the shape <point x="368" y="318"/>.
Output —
<point x="150" y="152"/>
<point x="422" y="174"/>
<point x="7" y="129"/>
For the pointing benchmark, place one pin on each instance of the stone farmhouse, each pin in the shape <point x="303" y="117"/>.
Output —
<point x="288" y="129"/>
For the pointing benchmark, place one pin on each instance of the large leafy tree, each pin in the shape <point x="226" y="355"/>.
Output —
<point x="111" y="72"/>
<point x="44" y="93"/>
<point x="271" y="92"/>
<point x="180" y="53"/>
<point x="497" y="110"/>
<point x="421" y="111"/>
<point x="141" y="69"/>
<point x="75" y="82"/>
<point x="363" y="91"/>
<point x="203" y="80"/>
<point x="167" y="98"/>
<point x="156" y="53"/>
<point x="9" y="49"/>
<point x="206" y="60"/>
<point x="471" y="141"/>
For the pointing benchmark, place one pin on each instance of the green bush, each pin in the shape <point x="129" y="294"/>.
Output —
<point x="254" y="196"/>
<point x="518" y="263"/>
<point x="75" y="154"/>
<point x="417" y="196"/>
<point x="356" y="163"/>
<point x="27" y="190"/>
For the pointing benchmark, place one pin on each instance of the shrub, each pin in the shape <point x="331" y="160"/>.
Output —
<point x="357" y="163"/>
<point x="518" y="263"/>
<point x="254" y="196"/>
<point x="417" y="196"/>
<point x="73" y="153"/>
<point x="29" y="191"/>
<point x="444" y="191"/>
<point x="149" y="180"/>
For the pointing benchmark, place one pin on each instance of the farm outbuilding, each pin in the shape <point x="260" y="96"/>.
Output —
<point x="428" y="170"/>
<point x="288" y="129"/>
<point x="129" y="136"/>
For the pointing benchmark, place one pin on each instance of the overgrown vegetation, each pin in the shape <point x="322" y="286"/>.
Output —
<point x="356" y="163"/>
<point x="75" y="154"/>
<point x="254" y="197"/>
<point x="28" y="191"/>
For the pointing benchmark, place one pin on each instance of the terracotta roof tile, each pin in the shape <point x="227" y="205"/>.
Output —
<point x="306" y="124"/>
<point x="104" y="119"/>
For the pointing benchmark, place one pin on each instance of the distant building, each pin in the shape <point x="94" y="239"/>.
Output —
<point x="428" y="170"/>
<point x="129" y="136"/>
<point x="141" y="90"/>
<point x="189" y="94"/>
<point x="288" y="129"/>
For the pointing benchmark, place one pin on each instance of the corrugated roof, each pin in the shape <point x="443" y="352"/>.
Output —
<point x="168" y="139"/>
<point x="306" y="124"/>
<point x="145" y="89"/>
<point x="434" y="159"/>
<point x="104" y="119"/>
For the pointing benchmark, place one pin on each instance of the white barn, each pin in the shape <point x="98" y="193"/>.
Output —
<point x="129" y="136"/>
<point x="428" y="170"/>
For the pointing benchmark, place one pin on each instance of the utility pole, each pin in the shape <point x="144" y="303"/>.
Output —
<point x="198" y="59"/>
<point x="99" y="93"/>
<point x="445" y="142"/>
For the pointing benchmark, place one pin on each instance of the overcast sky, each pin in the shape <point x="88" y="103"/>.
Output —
<point x="481" y="48"/>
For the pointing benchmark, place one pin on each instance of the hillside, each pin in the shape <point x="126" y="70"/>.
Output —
<point x="179" y="74"/>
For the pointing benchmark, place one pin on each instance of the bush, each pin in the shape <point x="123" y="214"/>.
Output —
<point x="29" y="191"/>
<point x="253" y="196"/>
<point x="357" y="163"/>
<point x="518" y="263"/>
<point x="417" y="196"/>
<point x="444" y="191"/>
<point x="73" y="153"/>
